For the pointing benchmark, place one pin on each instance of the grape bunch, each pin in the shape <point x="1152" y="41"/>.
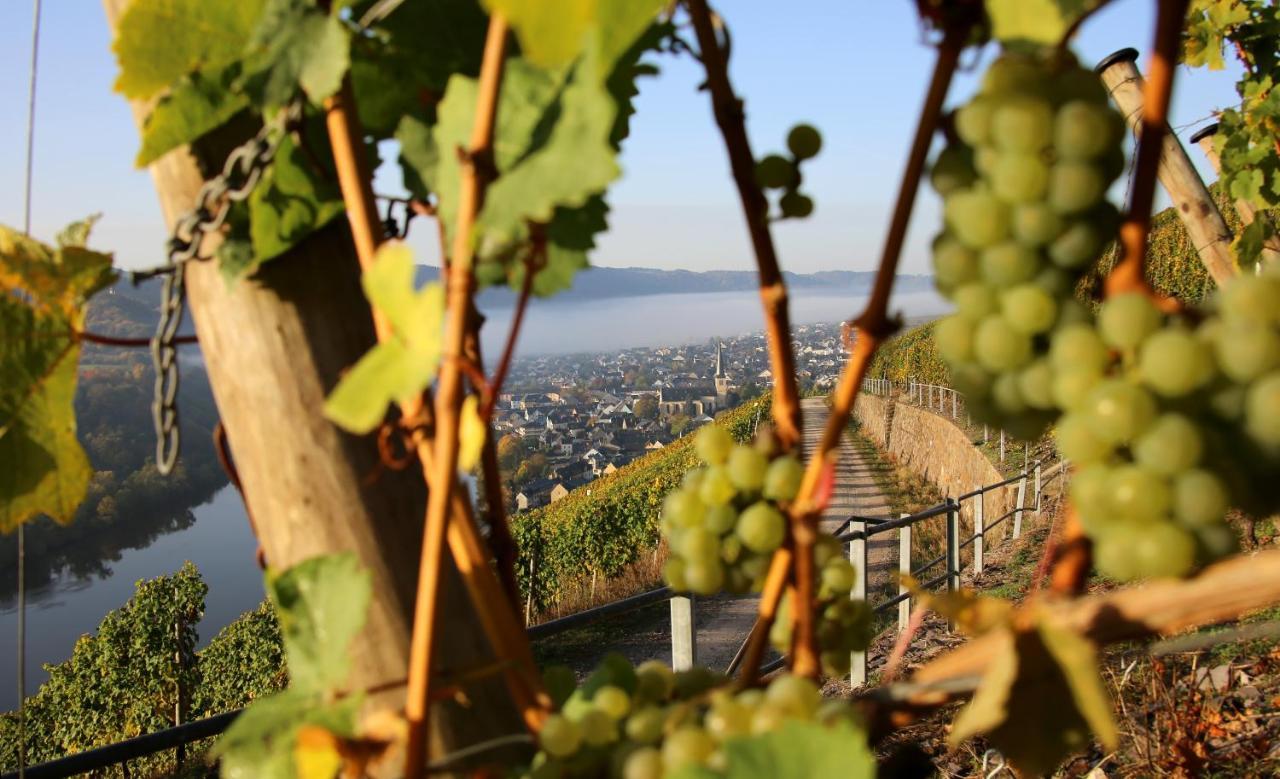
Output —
<point x="778" y="172"/>
<point x="1025" y="216"/>
<point x="843" y="625"/>
<point x="724" y="522"/>
<point x="649" y="722"/>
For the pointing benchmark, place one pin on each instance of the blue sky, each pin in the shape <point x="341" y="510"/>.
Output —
<point x="857" y="70"/>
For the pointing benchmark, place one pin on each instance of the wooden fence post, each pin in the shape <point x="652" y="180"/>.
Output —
<point x="860" y="559"/>
<point x="904" y="569"/>
<point x="979" y="532"/>
<point x="1017" y="509"/>
<point x="684" y="629"/>
<point x="1191" y="199"/>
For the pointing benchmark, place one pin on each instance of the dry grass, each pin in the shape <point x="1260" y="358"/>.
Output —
<point x="587" y="592"/>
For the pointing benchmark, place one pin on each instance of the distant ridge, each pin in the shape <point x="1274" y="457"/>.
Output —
<point x="596" y="283"/>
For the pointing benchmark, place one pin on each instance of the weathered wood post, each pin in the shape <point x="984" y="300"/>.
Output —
<point x="1204" y="139"/>
<point x="904" y="570"/>
<point x="861" y="563"/>
<point x="1017" y="509"/>
<point x="979" y="532"/>
<point x="684" y="628"/>
<point x="274" y="345"/>
<point x="953" y="545"/>
<point x="1191" y="199"/>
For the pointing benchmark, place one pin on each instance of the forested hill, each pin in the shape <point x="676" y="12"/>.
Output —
<point x="596" y="283"/>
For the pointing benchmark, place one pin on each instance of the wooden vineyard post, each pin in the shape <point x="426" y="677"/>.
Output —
<point x="1191" y="199"/>
<point x="1204" y="139"/>
<point x="274" y="345"/>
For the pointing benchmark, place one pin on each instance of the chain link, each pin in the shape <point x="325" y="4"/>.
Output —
<point x="240" y="174"/>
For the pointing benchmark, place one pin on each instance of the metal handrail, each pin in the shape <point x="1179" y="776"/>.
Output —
<point x="556" y="626"/>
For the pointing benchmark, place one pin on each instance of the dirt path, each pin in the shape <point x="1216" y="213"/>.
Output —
<point x="723" y="621"/>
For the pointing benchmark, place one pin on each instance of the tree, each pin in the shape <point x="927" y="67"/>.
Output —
<point x="511" y="448"/>
<point x="532" y="467"/>
<point x="678" y="423"/>
<point x="646" y="407"/>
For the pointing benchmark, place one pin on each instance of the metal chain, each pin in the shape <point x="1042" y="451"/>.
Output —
<point x="240" y="174"/>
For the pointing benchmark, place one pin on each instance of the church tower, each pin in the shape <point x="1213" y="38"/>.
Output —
<point x="722" y="380"/>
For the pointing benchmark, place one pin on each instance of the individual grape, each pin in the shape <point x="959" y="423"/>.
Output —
<point x="837" y="576"/>
<point x="1073" y="312"/>
<point x="1079" y="245"/>
<point x="1246" y="351"/>
<point x="761" y="528"/>
<point x="973" y="121"/>
<point x="1262" y="410"/>
<point x="1055" y="282"/>
<point x="704" y="577"/>
<point x="1035" y="224"/>
<point x="1251" y="299"/>
<point x="775" y="172"/>
<point x="645" y="725"/>
<point x="804" y="141"/>
<point x="1164" y="550"/>
<point x="727" y="719"/>
<point x="1012" y="73"/>
<point x="1078" y="347"/>
<point x="1075" y="187"/>
<point x="998" y="346"/>
<point x="643" y="763"/>
<point x="825" y="549"/>
<point x="1022" y="124"/>
<point x="795" y="205"/>
<point x="985" y="159"/>
<point x="747" y="468"/>
<point x="697" y="544"/>
<point x="692" y="480"/>
<point x="954" y="264"/>
<point x="612" y="700"/>
<point x="720" y="519"/>
<point x="1090" y="491"/>
<point x="1139" y="494"/>
<point x="1035" y="384"/>
<point x="673" y="572"/>
<point x="1113" y="552"/>
<point x="686" y="746"/>
<point x="977" y="218"/>
<point x="559" y="737"/>
<point x="1078" y="443"/>
<point x="1173" y="362"/>
<point x="716" y="489"/>
<point x="782" y="479"/>
<point x="1008" y="263"/>
<point x="1125" y="320"/>
<point x="655" y="680"/>
<point x="975" y="301"/>
<point x="1172" y="444"/>
<point x="1199" y="498"/>
<point x="953" y="338"/>
<point x="1073" y="84"/>
<point x="684" y="508"/>
<point x="767" y="718"/>
<point x="598" y="728"/>
<point x="1118" y="411"/>
<point x="713" y="444"/>
<point x="1072" y="387"/>
<point x="1007" y="396"/>
<point x="1084" y="130"/>
<point x="1215" y="541"/>
<point x="731" y="546"/>
<point x="953" y="170"/>
<point x="1019" y="177"/>
<point x="1028" y="309"/>
<point x="795" y="695"/>
<point x="970" y="380"/>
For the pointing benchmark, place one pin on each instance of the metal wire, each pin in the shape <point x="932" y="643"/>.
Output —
<point x="22" y="540"/>
<point x="240" y="174"/>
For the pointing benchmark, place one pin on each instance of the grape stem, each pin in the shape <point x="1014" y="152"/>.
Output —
<point x="495" y="611"/>
<point x="1129" y="275"/>
<point x="730" y="118"/>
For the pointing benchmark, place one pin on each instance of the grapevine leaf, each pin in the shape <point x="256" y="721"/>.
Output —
<point x="262" y="743"/>
<point x="291" y="201"/>
<point x="295" y="44"/>
<point x="402" y="366"/>
<point x="42" y="295"/>
<point x="442" y="38"/>
<point x="76" y="233"/>
<point x="1034" y="22"/>
<point x="197" y="104"/>
<point x="553" y="32"/>
<point x="472" y="433"/>
<point x="321" y="605"/>
<point x="1250" y="241"/>
<point x="972" y="613"/>
<point x="1031" y="666"/>
<point x="798" y="750"/>
<point x="159" y="41"/>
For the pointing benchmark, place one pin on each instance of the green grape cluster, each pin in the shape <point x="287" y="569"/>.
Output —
<point x="1025" y="214"/>
<point x="843" y="625"/>
<point x="776" y="171"/>
<point x="725" y="521"/>
<point x="649" y="722"/>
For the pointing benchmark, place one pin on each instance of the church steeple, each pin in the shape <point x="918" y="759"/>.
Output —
<point x="721" y="378"/>
<point x="719" y="359"/>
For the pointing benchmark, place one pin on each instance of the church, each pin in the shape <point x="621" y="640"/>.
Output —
<point x="701" y="397"/>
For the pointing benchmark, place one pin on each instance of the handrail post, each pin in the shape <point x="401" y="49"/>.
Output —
<point x="1017" y="510"/>
<point x="979" y="532"/>
<point x="1037" y="499"/>
<point x="904" y="570"/>
<point x="955" y="405"/>
<point x="1002" y="445"/>
<point x="986" y="432"/>
<point x="861" y="564"/>
<point x="684" y="645"/>
<point x="953" y="545"/>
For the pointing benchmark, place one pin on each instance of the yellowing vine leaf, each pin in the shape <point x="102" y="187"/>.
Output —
<point x="159" y="41"/>
<point x="972" y="613"/>
<point x="472" y="434"/>
<point x="1032" y="667"/>
<point x="553" y="32"/>
<point x="403" y="366"/>
<point x="43" y="468"/>
<point x="1034" y="22"/>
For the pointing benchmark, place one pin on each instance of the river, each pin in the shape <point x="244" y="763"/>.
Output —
<point x="216" y="536"/>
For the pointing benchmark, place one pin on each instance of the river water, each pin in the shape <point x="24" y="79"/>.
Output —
<point x="216" y="536"/>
